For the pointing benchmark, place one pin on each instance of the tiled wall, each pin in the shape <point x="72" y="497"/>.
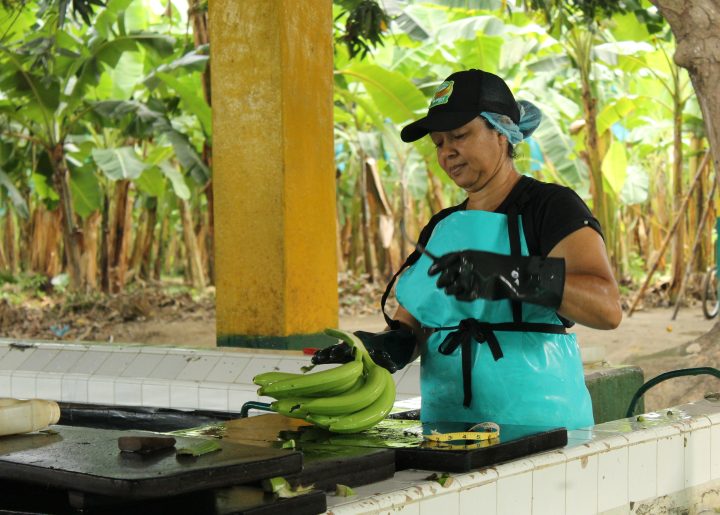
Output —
<point x="664" y="464"/>
<point x="136" y="375"/>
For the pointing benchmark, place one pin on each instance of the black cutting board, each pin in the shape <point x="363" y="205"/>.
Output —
<point x="405" y="437"/>
<point x="88" y="460"/>
<point x="30" y="498"/>
<point x="324" y="465"/>
<point x="514" y="442"/>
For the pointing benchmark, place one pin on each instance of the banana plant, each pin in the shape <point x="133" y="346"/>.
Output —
<point x="46" y="80"/>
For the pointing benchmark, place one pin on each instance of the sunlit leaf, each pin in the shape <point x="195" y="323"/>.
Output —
<point x="119" y="163"/>
<point x="393" y="93"/>
<point x="614" y="166"/>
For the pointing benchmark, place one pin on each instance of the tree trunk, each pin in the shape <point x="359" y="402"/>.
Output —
<point x="210" y="239"/>
<point x="149" y="244"/>
<point x="192" y="252"/>
<point x="678" y="246"/>
<point x="201" y="36"/>
<point x="119" y="236"/>
<point x="339" y="229"/>
<point x="9" y="236"/>
<point x="406" y="215"/>
<point x="72" y="235"/>
<point x="139" y="243"/>
<point x="161" y="247"/>
<point x="695" y="26"/>
<point x="382" y="220"/>
<point x="700" y="202"/>
<point x="45" y="242"/>
<point x="3" y="260"/>
<point x="580" y="43"/>
<point x="368" y="250"/>
<point x="355" y="232"/>
<point x="658" y="218"/>
<point x="105" y="246"/>
<point x="435" y="193"/>
<point x="346" y="233"/>
<point x="88" y="261"/>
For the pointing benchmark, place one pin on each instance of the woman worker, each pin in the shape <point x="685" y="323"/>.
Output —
<point x="486" y="297"/>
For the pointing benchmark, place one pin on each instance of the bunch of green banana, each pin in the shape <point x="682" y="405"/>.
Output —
<point x="348" y="398"/>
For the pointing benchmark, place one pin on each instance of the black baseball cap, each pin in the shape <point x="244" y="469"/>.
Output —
<point x="459" y="99"/>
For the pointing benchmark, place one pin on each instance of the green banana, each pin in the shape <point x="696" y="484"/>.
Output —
<point x="340" y="387"/>
<point x="267" y="378"/>
<point x="350" y="401"/>
<point x="346" y="399"/>
<point x="323" y="421"/>
<point x="352" y="384"/>
<point x="315" y="382"/>
<point x="291" y="407"/>
<point x="370" y="415"/>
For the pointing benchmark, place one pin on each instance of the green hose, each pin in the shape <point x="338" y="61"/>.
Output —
<point x="664" y="377"/>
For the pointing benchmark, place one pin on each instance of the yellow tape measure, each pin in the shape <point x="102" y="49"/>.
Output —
<point x="481" y="434"/>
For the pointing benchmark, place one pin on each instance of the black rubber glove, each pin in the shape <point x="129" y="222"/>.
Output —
<point x="475" y="274"/>
<point x="391" y="349"/>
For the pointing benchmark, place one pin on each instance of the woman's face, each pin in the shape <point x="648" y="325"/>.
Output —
<point x="470" y="154"/>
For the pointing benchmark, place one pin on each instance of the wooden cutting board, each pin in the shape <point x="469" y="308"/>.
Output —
<point x="88" y="460"/>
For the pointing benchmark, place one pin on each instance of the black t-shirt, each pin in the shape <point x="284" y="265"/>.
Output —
<point x="549" y="212"/>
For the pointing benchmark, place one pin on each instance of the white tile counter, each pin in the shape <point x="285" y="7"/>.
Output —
<point x="137" y="375"/>
<point x="668" y="463"/>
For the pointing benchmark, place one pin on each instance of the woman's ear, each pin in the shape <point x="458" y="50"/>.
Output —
<point x="502" y="140"/>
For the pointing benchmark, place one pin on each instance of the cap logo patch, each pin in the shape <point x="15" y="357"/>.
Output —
<point x="442" y="94"/>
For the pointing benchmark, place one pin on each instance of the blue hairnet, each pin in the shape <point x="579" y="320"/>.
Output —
<point x="530" y="117"/>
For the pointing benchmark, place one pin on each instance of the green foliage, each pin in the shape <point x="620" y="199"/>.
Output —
<point x="113" y="92"/>
<point x="364" y="24"/>
<point x="16" y="289"/>
<point x="626" y="65"/>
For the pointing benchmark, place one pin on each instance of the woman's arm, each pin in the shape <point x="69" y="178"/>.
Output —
<point x="591" y="296"/>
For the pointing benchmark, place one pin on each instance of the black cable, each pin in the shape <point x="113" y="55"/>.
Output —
<point x="669" y="375"/>
<point x="263" y="406"/>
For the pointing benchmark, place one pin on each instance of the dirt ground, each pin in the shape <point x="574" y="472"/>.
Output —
<point x="649" y="339"/>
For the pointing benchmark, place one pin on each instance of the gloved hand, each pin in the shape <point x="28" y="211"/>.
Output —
<point x="475" y="274"/>
<point x="390" y="349"/>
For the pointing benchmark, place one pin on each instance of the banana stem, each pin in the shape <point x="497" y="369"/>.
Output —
<point x="353" y="341"/>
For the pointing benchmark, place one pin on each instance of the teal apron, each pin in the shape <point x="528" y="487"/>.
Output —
<point x="499" y="361"/>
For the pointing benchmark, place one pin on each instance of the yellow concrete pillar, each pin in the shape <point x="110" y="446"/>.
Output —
<point x="273" y="171"/>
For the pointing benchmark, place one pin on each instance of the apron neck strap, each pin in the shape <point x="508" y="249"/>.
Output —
<point x="515" y="251"/>
<point x="411" y="259"/>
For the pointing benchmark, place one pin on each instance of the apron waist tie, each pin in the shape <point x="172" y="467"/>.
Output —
<point x="471" y="329"/>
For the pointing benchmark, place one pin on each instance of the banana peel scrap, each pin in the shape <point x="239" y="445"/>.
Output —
<point x="280" y="487"/>
<point x="343" y="490"/>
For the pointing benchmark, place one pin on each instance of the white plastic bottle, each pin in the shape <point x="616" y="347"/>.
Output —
<point x="24" y="416"/>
